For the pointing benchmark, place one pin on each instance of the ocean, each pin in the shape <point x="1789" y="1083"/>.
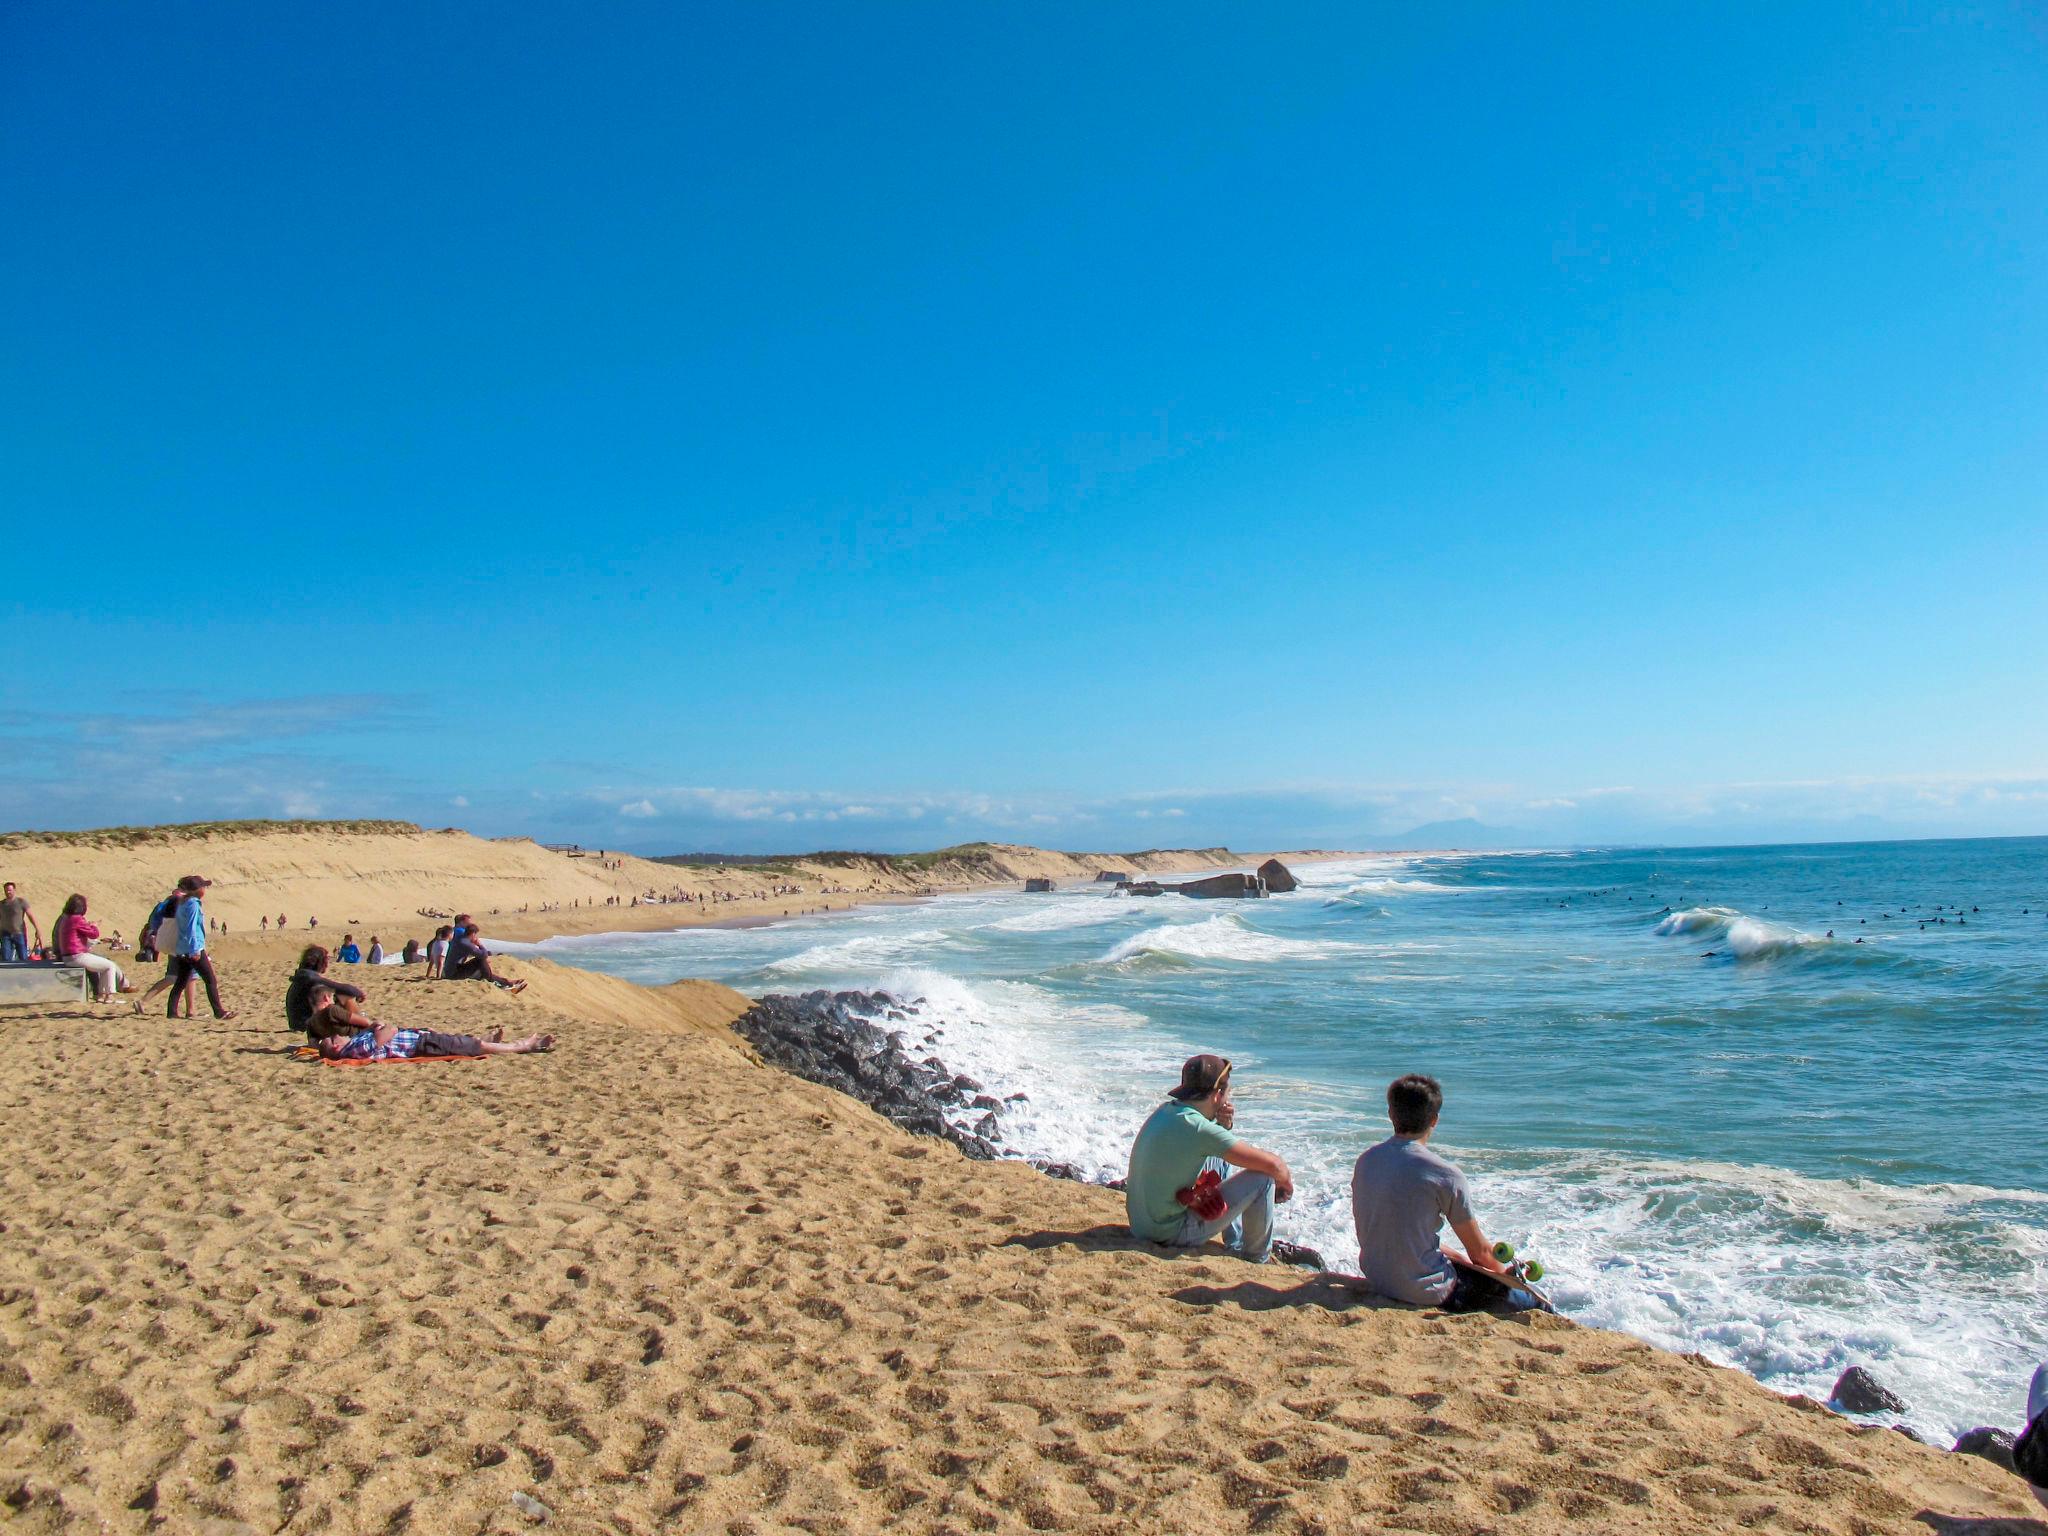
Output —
<point x="1674" y="1075"/>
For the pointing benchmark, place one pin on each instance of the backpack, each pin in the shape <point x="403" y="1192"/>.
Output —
<point x="2030" y="1453"/>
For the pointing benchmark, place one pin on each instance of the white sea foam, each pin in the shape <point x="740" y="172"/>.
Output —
<point x="1748" y="938"/>
<point x="1391" y="886"/>
<point x="1074" y="912"/>
<point x="1225" y="936"/>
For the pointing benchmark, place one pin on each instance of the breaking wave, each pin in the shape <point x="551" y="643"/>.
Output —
<point x="1225" y="936"/>
<point x="1747" y="938"/>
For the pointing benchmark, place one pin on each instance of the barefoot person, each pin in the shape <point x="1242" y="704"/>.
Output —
<point x="74" y="938"/>
<point x="468" y="960"/>
<point x="341" y="1034"/>
<point x="1401" y="1194"/>
<point x="189" y="919"/>
<point x="1177" y="1193"/>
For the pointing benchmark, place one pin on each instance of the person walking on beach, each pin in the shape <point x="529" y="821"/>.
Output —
<point x="1177" y="1191"/>
<point x="15" y="922"/>
<point x="1401" y="1194"/>
<point x="191" y="958"/>
<point x="74" y="936"/>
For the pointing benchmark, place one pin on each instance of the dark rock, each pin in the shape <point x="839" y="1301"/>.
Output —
<point x="985" y="1101"/>
<point x="1991" y="1444"/>
<point x="1116" y="1184"/>
<point x="1297" y="1253"/>
<point x="1857" y="1391"/>
<point x="1900" y="1429"/>
<point x="830" y="1038"/>
<point x="1278" y="876"/>
<point x="1018" y="1098"/>
<point x="1061" y="1171"/>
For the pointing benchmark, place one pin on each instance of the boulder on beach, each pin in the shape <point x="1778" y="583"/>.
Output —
<point x="1857" y="1391"/>
<point x="1994" y="1445"/>
<point x="1278" y="877"/>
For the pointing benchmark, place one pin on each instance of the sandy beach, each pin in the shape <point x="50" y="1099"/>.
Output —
<point x="646" y="1283"/>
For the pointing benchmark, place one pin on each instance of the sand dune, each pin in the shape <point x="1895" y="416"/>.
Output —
<point x="378" y="876"/>
<point x="646" y="1284"/>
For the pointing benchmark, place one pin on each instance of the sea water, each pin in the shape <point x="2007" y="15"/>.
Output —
<point x="1674" y="1075"/>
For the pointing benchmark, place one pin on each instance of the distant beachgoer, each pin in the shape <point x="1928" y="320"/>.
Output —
<point x="280" y="922"/>
<point x="411" y="953"/>
<point x="376" y="951"/>
<point x="348" y="954"/>
<point x="311" y="975"/>
<point x="191" y="958"/>
<point x="312" y="922"/>
<point x="468" y="960"/>
<point x="157" y="937"/>
<point x="74" y="938"/>
<point x="265" y="920"/>
<point x="1177" y="1192"/>
<point x="15" y="922"/>
<point x="437" y="951"/>
<point x="1401" y="1194"/>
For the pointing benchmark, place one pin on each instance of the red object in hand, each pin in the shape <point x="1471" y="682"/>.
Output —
<point x="1205" y="1197"/>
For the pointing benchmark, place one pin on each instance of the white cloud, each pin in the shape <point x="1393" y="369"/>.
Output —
<point x="461" y="802"/>
<point x="642" y="807"/>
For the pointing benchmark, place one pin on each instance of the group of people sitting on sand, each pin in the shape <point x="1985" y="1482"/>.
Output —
<point x="1182" y="1190"/>
<point x="329" y="1012"/>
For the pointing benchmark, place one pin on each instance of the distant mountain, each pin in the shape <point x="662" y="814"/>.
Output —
<point x="1462" y="833"/>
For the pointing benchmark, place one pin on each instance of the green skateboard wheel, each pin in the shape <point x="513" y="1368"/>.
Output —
<point x="1533" y="1270"/>
<point x="1504" y="1252"/>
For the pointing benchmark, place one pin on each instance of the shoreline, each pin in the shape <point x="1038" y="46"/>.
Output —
<point x="650" y="1282"/>
<point x="737" y="1296"/>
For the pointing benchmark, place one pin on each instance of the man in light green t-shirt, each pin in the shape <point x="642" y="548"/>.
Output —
<point x="1185" y="1136"/>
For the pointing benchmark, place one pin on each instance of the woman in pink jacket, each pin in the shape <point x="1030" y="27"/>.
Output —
<point x="74" y="939"/>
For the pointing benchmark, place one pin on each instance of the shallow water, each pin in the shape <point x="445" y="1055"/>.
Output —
<point x="1720" y="1128"/>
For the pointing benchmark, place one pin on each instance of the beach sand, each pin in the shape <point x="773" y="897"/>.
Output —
<point x="644" y="1283"/>
<point x="377" y="881"/>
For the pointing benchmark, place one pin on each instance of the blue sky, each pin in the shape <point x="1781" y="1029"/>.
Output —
<point x="882" y="426"/>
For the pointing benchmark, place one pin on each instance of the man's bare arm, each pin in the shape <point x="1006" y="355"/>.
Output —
<point x="1258" y="1160"/>
<point x="1479" y="1252"/>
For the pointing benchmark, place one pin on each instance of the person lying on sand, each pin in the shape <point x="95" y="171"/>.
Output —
<point x="375" y="1041"/>
<point x="468" y="960"/>
<point x="1401" y="1194"/>
<point x="1176" y="1191"/>
<point x="312" y="972"/>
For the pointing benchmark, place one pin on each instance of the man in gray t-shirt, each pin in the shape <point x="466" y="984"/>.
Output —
<point x="1401" y="1195"/>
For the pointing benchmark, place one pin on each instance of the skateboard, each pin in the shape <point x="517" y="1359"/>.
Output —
<point x="1521" y="1275"/>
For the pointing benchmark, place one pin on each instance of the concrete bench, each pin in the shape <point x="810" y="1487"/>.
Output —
<point x="35" y="981"/>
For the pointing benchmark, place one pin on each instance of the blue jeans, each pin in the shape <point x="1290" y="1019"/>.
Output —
<point x="13" y="946"/>
<point x="1247" y="1219"/>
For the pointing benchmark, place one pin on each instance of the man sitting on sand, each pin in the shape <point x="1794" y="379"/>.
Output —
<point x="1401" y="1194"/>
<point x="1176" y="1192"/>
<point x="298" y="993"/>
<point x="342" y="1034"/>
<point x="468" y="960"/>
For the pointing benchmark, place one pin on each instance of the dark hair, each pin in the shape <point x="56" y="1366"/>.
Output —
<point x="1413" y="1103"/>
<point x="313" y="958"/>
<point x="444" y="931"/>
<point x="74" y="906"/>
